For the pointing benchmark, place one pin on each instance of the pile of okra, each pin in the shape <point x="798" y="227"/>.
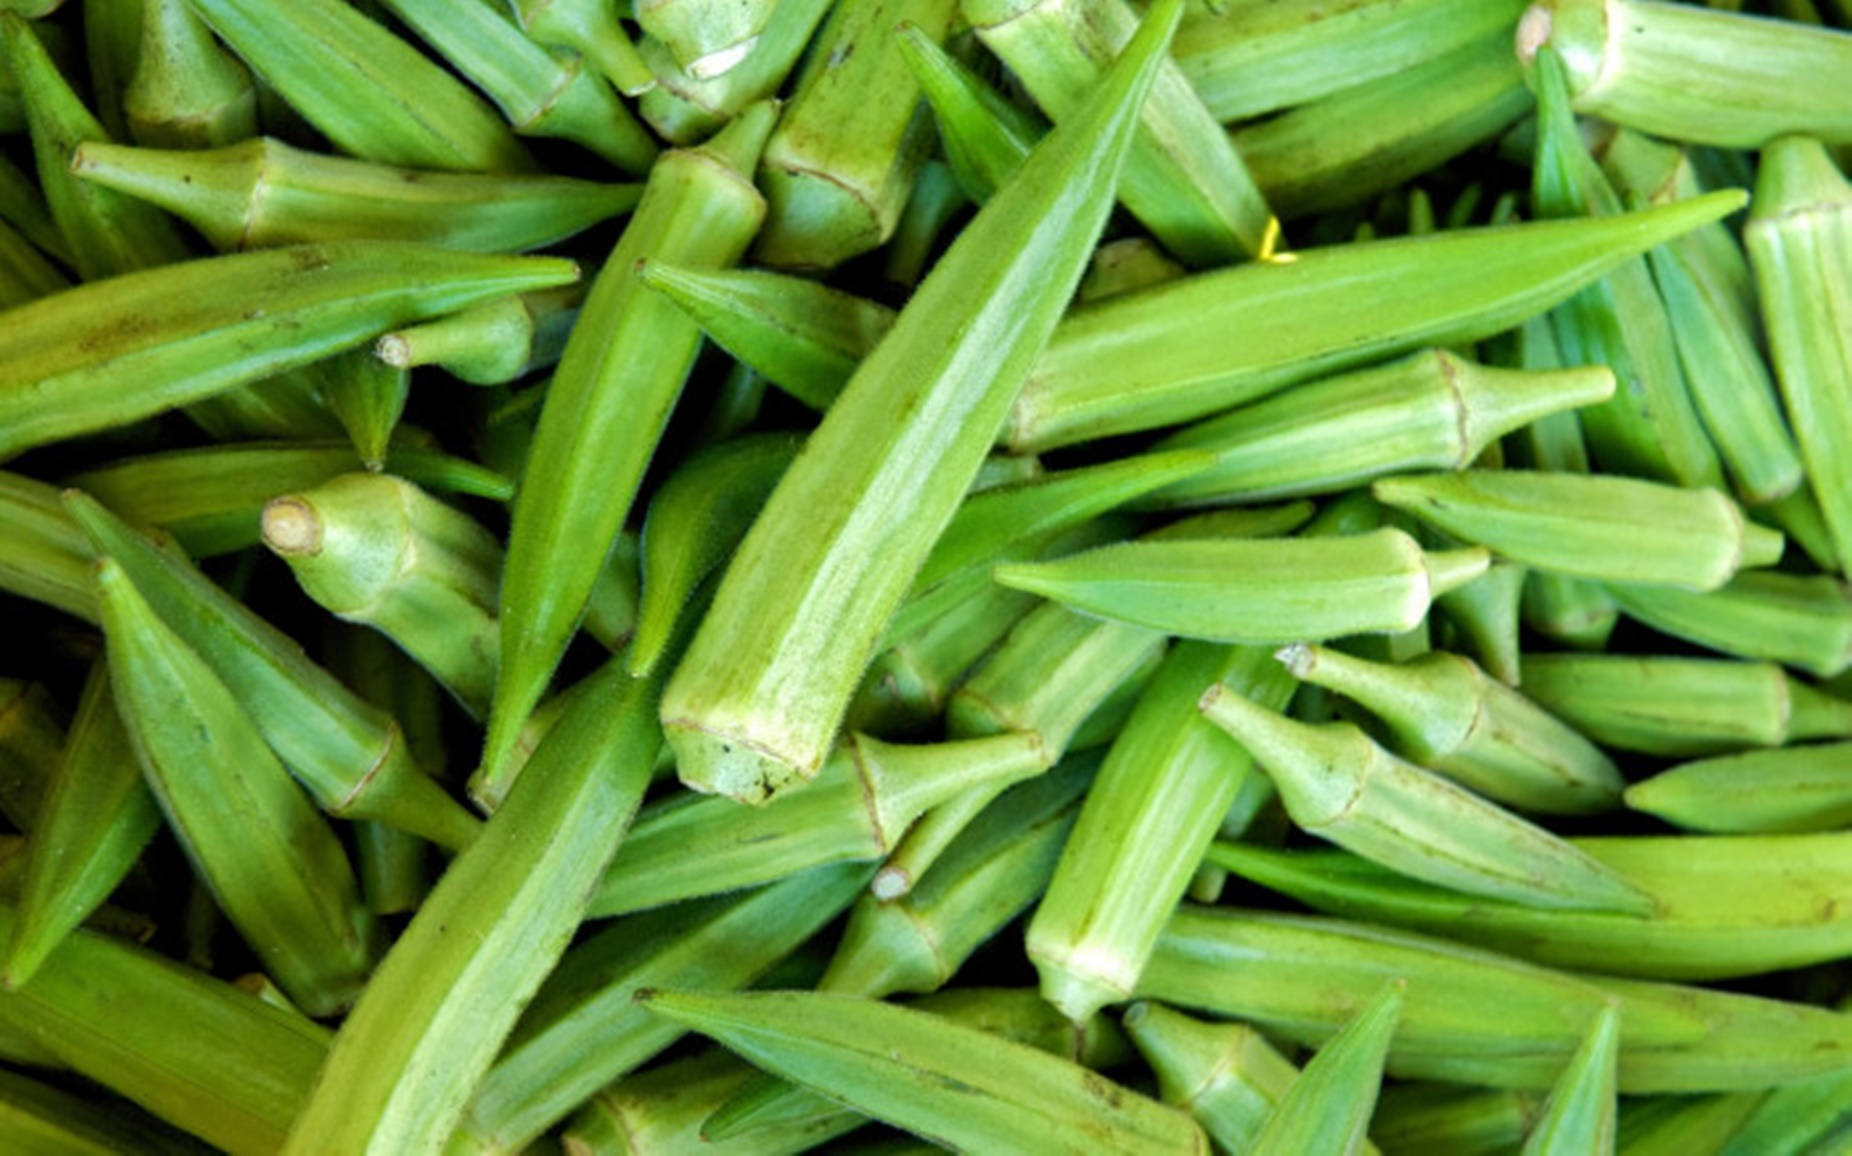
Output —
<point x="870" y="576"/>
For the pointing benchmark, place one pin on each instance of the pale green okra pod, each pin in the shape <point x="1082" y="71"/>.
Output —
<point x="1579" y="1116"/>
<point x="186" y="91"/>
<point x="1798" y="620"/>
<point x="1795" y="788"/>
<point x="1327" y="1107"/>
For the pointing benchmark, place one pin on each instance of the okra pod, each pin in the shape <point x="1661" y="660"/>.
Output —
<point x="1327" y="1107"/>
<point x="1579" y="1115"/>
<point x="1800" y="788"/>
<point x="1420" y="1119"/>
<point x="590" y="28"/>
<point x="1484" y="615"/>
<point x="1798" y="620"/>
<point x="186" y="91"/>
<point x="492" y="343"/>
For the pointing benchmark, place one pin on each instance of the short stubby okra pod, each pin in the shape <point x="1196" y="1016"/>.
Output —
<point x="1799" y="237"/>
<point x="590" y="28"/>
<point x="618" y="380"/>
<point x="25" y="273"/>
<point x="351" y="757"/>
<point x="956" y="1084"/>
<point x="1692" y="74"/>
<point x="263" y="193"/>
<point x="376" y="549"/>
<point x="1432" y="410"/>
<point x="1601" y="527"/>
<point x="1442" y="711"/>
<point x="1579" y="1116"/>
<point x="756" y="703"/>
<point x="375" y="96"/>
<point x="43" y="555"/>
<point x="274" y="866"/>
<point x="1682" y="706"/>
<point x="1338" y="784"/>
<point x="1255" y="592"/>
<point x="186" y="91"/>
<point x="1798" y="620"/>
<point x="866" y="797"/>
<point x="435" y="1014"/>
<point x="1327" y="1107"/>
<point x="1727" y="906"/>
<point x="1153" y="358"/>
<point x="1151" y="812"/>
<point x="1797" y="788"/>
<point x="115" y="350"/>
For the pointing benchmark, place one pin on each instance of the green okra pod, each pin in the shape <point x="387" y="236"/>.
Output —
<point x="936" y="199"/>
<point x="906" y="687"/>
<point x="275" y="868"/>
<point x="683" y="108"/>
<point x="120" y="349"/>
<point x="186" y="91"/>
<point x="983" y="135"/>
<point x="492" y="343"/>
<point x="1799" y="517"/>
<point x="263" y="193"/>
<point x="1600" y="527"/>
<point x="1579" y="1115"/>
<point x="31" y="739"/>
<point x="1151" y="812"/>
<point x="211" y="499"/>
<point x="1799" y="238"/>
<point x="350" y="756"/>
<point x="428" y="1028"/>
<point x="39" y="1117"/>
<point x="43" y="555"/>
<point x="863" y="801"/>
<point x="1339" y="785"/>
<point x="956" y="1084"/>
<point x="376" y="549"/>
<point x="375" y="96"/>
<point x="1798" y="788"/>
<point x="705" y="37"/>
<point x="1805" y="1117"/>
<point x="609" y="402"/>
<point x="583" y="1029"/>
<point x="590" y="28"/>
<point x="1153" y="358"/>
<point x="1445" y="713"/>
<point x="1327" y="1107"/>
<point x="96" y="817"/>
<point x="1797" y="620"/>
<point x="1726" y="906"/>
<point x="754" y="705"/>
<point x="1184" y="179"/>
<point x="1254" y="592"/>
<point x="1431" y="410"/>
<point x="25" y="274"/>
<point x="1484" y="615"/>
<point x="1691" y="74"/>
<point x="1435" y="1118"/>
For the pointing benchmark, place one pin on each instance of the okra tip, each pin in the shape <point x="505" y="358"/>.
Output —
<point x="290" y="527"/>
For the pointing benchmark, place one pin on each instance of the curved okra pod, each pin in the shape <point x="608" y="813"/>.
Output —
<point x="1150" y="359"/>
<point x="1157" y="802"/>
<point x="862" y="802"/>
<point x="1800" y="238"/>
<point x="841" y="164"/>
<point x="1601" y="527"/>
<point x="1579" y="1115"/>
<point x="211" y="499"/>
<point x="664" y="1110"/>
<point x="1727" y="906"/>
<point x="375" y="549"/>
<point x="123" y="348"/>
<point x="959" y="1085"/>
<point x="262" y="193"/>
<point x="43" y="555"/>
<point x="367" y="395"/>
<point x="375" y="96"/>
<point x="1339" y="785"/>
<point x="350" y="756"/>
<point x="584" y="1030"/>
<point x="96" y="817"/>
<point x="1432" y="410"/>
<point x="591" y="29"/>
<point x="1255" y="592"/>
<point x="1797" y="620"/>
<point x="435" y="1014"/>
<point x="274" y="866"/>
<point x="1443" y="712"/>
<point x="186" y="91"/>
<point x="1327" y="1107"/>
<point x="754" y="706"/>
<point x="695" y="519"/>
<point x="803" y="336"/>
<point x="1709" y="77"/>
<point x="608" y="404"/>
<point x="541" y="93"/>
<point x="25" y="274"/>
<point x="1803" y="788"/>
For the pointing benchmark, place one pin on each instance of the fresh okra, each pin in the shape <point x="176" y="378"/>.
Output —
<point x="1800" y="788"/>
<point x="1484" y="615"/>
<point x="684" y="108"/>
<point x="1799" y="620"/>
<point x="1580" y="1113"/>
<point x="186" y="91"/>
<point x="705" y="37"/>
<point x="1422" y="1119"/>
<point x="39" y="1117"/>
<point x="983" y="135"/>
<point x="1327" y="1107"/>
<point x="590" y="28"/>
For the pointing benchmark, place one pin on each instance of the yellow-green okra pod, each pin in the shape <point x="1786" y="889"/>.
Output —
<point x="1255" y="592"/>
<point x="957" y="1084"/>
<point x="186" y="91"/>
<point x="375" y="96"/>
<point x="350" y="756"/>
<point x="684" y="108"/>
<point x="492" y="343"/>
<point x="664" y="1111"/>
<point x="1797" y="788"/>
<point x="1327" y="1107"/>
<point x="1340" y="785"/>
<point x="608" y="404"/>
<point x="433" y="1017"/>
<point x="274" y="866"/>
<point x="1484" y="616"/>
<point x="755" y="704"/>
<point x="96" y="817"/>
<point x="1798" y="620"/>
<point x="1579" y="1116"/>
<point x="130" y="346"/>
<point x="262" y="193"/>
<point x="25" y="273"/>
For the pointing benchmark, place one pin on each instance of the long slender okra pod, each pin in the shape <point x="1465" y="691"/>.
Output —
<point x="617" y="382"/>
<point x="40" y="1117"/>
<point x="684" y="108"/>
<point x="590" y="28"/>
<point x="1798" y="620"/>
<point x="706" y="37"/>
<point x="756" y="703"/>
<point x="1801" y="788"/>
<point x="43" y="555"/>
